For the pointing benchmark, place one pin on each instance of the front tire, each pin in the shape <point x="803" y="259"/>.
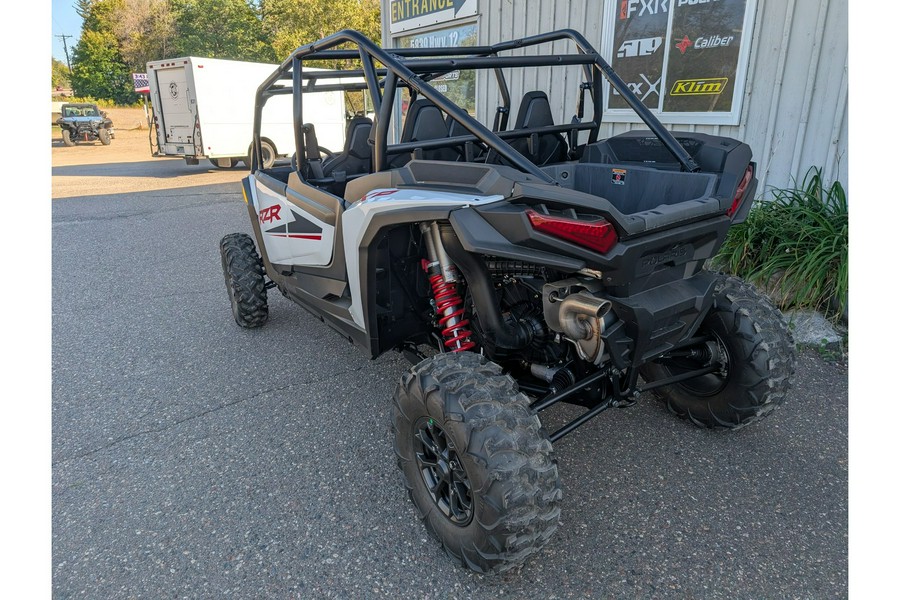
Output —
<point x="105" y="139"/>
<point x="244" y="280"/>
<point x="756" y="350"/>
<point x="476" y="463"/>
<point x="67" y="138"/>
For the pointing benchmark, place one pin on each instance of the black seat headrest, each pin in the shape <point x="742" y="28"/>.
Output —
<point x="357" y="141"/>
<point x="534" y="111"/>
<point x="424" y="121"/>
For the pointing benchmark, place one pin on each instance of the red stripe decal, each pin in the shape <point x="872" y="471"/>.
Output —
<point x="298" y="236"/>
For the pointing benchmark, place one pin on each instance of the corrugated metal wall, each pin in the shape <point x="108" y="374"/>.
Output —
<point x="794" y="114"/>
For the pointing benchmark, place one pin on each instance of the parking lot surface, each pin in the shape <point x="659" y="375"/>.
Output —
<point x="195" y="459"/>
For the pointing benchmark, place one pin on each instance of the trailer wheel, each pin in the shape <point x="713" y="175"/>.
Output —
<point x="476" y="463"/>
<point x="67" y="138"/>
<point x="103" y="134"/>
<point x="217" y="164"/>
<point x="268" y="155"/>
<point x="244" y="280"/>
<point x="755" y="350"/>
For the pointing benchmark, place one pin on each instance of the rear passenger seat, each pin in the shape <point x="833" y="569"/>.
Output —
<point x="424" y="121"/>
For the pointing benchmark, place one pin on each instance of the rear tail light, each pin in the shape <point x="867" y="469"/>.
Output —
<point x="739" y="195"/>
<point x="597" y="235"/>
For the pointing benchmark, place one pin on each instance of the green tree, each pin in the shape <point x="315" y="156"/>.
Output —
<point x="145" y="30"/>
<point x="59" y="74"/>
<point x="98" y="68"/>
<point x="293" y="23"/>
<point x="229" y="29"/>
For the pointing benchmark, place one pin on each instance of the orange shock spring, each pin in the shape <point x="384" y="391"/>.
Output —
<point x="450" y="306"/>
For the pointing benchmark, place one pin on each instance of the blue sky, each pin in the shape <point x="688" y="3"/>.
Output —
<point x="64" y="20"/>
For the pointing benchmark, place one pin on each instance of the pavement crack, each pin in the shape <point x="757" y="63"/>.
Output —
<point x="131" y="436"/>
<point x="159" y="211"/>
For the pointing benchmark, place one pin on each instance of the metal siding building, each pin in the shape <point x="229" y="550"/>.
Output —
<point x="794" y="101"/>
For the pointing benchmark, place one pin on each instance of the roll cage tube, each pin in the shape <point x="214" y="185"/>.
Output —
<point x="413" y="67"/>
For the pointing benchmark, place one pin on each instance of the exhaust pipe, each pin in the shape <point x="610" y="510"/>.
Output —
<point x="583" y="318"/>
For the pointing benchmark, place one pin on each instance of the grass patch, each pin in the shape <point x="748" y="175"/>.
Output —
<point x="796" y="246"/>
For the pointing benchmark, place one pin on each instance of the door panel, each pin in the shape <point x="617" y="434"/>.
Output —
<point x="296" y="231"/>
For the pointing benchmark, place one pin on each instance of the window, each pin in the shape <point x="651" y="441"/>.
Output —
<point x="457" y="86"/>
<point x="685" y="59"/>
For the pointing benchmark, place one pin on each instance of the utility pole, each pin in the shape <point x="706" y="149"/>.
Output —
<point x="66" y="48"/>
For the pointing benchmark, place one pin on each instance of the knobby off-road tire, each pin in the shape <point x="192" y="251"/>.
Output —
<point x="67" y="138"/>
<point x="461" y="427"/>
<point x="104" y="136"/>
<point x="759" y="358"/>
<point x="244" y="280"/>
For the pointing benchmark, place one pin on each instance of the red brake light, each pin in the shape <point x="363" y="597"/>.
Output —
<point x="742" y="187"/>
<point x="596" y="235"/>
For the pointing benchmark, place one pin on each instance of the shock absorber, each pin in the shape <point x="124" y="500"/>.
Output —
<point x="448" y="305"/>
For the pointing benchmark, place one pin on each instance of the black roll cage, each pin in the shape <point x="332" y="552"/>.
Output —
<point x="412" y="68"/>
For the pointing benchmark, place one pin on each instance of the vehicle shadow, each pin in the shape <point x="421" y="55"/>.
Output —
<point x="161" y="168"/>
<point x="58" y="143"/>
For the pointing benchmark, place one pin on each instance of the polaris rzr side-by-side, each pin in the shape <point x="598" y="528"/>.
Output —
<point x="84" y="123"/>
<point x="516" y="267"/>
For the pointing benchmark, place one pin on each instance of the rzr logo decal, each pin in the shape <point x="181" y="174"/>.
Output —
<point x="267" y="215"/>
<point x="642" y="47"/>
<point x="299" y="228"/>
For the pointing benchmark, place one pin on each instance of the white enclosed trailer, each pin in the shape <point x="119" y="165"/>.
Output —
<point x="203" y="108"/>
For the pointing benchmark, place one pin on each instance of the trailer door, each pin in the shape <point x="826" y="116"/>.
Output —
<point x="178" y="104"/>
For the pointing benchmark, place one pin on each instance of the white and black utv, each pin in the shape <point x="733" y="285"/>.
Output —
<point x="515" y="267"/>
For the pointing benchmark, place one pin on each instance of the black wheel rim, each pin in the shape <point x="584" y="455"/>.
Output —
<point x="442" y="472"/>
<point x="711" y="353"/>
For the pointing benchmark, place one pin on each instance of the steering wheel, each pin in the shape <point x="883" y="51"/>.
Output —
<point x="328" y="154"/>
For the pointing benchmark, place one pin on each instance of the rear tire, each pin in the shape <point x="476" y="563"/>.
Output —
<point x="67" y="138"/>
<point x="103" y="134"/>
<point x="758" y="355"/>
<point x="476" y="463"/>
<point x="244" y="280"/>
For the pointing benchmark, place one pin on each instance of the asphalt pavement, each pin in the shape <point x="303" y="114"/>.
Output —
<point x="196" y="459"/>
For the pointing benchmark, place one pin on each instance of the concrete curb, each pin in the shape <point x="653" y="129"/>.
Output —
<point x="811" y="328"/>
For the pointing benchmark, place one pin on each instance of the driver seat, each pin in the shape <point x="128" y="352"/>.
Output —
<point x="356" y="157"/>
